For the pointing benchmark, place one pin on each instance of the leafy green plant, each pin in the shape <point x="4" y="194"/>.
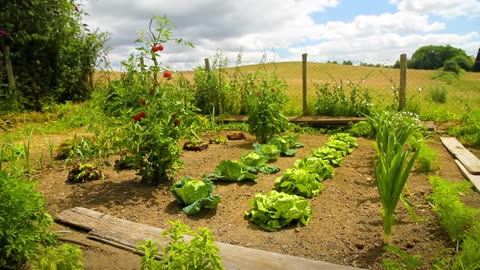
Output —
<point x="316" y="165"/>
<point x="455" y="217"/>
<point x="64" y="257"/>
<point x="286" y="144"/>
<point x="469" y="129"/>
<point x="195" y="194"/>
<point x="338" y="99"/>
<point x="329" y="154"/>
<point x="232" y="170"/>
<point x="299" y="182"/>
<point x="257" y="163"/>
<point x="427" y="159"/>
<point x="469" y="257"/>
<point x="23" y="219"/>
<point x="394" y="162"/>
<point x="404" y="260"/>
<point x="199" y="252"/>
<point x="126" y="161"/>
<point x="83" y="172"/>
<point x="83" y="148"/>
<point x="265" y="118"/>
<point x="275" y="210"/>
<point x="270" y="151"/>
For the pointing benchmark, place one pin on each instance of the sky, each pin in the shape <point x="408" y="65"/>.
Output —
<point x="368" y="31"/>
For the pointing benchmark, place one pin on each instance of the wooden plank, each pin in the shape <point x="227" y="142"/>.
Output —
<point x="475" y="179"/>
<point x="469" y="160"/>
<point x="127" y="234"/>
<point x="315" y="121"/>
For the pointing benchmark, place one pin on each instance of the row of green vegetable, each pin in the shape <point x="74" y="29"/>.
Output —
<point x="288" y="203"/>
<point x="196" y="194"/>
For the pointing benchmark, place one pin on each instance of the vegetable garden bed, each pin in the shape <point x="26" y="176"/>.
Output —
<point x="346" y="227"/>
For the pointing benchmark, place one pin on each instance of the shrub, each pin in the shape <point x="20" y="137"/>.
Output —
<point x="23" y="219"/>
<point x="265" y="108"/>
<point x="439" y="93"/>
<point x="338" y="99"/>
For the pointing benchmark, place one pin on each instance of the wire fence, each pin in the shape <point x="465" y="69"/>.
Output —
<point x="306" y="80"/>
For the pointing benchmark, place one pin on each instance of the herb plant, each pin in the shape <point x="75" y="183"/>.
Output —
<point x="200" y="252"/>
<point x="24" y="221"/>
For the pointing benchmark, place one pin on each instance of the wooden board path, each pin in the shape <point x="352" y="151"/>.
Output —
<point x="475" y="179"/>
<point x="124" y="233"/>
<point x="469" y="160"/>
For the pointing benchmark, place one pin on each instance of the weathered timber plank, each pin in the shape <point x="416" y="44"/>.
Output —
<point x="475" y="179"/>
<point x="128" y="234"/>
<point x="308" y="120"/>
<point x="469" y="160"/>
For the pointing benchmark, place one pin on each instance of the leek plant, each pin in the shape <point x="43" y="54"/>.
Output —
<point x="394" y="161"/>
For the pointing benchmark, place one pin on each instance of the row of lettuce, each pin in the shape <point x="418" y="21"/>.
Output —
<point x="288" y="202"/>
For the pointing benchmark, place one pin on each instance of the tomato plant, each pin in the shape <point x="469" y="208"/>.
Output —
<point x="156" y="113"/>
<point x="265" y="107"/>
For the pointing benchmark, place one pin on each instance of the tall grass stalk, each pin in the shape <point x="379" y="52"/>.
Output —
<point x="394" y="162"/>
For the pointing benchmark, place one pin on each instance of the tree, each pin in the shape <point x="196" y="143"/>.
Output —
<point x="434" y="57"/>
<point x="53" y="54"/>
<point x="476" y="65"/>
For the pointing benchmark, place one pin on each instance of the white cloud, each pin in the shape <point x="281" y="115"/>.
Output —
<point x="257" y="27"/>
<point x="444" y="8"/>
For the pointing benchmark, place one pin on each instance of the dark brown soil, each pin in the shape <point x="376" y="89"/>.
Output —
<point x="346" y="228"/>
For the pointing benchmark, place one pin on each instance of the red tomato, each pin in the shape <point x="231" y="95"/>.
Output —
<point x="167" y="74"/>
<point x="157" y="48"/>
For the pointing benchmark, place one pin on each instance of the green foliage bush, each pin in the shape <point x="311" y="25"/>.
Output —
<point x="24" y="222"/>
<point x="265" y="118"/>
<point x="434" y="57"/>
<point x="64" y="257"/>
<point x="469" y="129"/>
<point x="439" y="93"/>
<point x="338" y="99"/>
<point x="53" y="54"/>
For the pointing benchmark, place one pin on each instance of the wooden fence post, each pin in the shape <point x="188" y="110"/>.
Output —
<point x="207" y="64"/>
<point x="304" y="85"/>
<point x="402" y="94"/>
